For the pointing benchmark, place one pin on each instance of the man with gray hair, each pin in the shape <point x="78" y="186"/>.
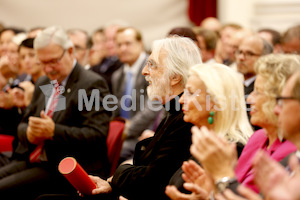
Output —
<point x="53" y="127"/>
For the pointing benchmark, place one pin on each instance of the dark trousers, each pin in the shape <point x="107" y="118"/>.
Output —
<point x="4" y="159"/>
<point x="22" y="180"/>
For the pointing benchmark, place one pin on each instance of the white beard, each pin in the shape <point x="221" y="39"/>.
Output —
<point x="158" y="89"/>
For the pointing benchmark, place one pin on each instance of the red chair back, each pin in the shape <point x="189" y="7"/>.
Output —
<point x="6" y="143"/>
<point x="114" y="143"/>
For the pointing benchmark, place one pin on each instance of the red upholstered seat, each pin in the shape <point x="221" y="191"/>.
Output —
<point x="114" y="143"/>
<point x="6" y="143"/>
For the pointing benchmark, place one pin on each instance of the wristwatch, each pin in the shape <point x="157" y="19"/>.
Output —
<point x="223" y="183"/>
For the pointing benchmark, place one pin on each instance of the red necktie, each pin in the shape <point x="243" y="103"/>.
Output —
<point x="35" y="155"/>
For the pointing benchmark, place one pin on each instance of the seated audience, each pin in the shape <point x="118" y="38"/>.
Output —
<point x="272" y="71"/>
<point x="6" y="36"/>
<point x="33" y="32"/>
<point x="212" y="101"/>
<point x="207" y="43"/>
<point x="110" y="63"/>
<point x="290" y="41"/>
<point x="211" y="23"/>
<point x="249" y="51"/>
<point x="12" y="72"/>
<point x="80" y="39"/>
<point x="10" y="69"/>
<point x="129" y="86"/>
<point x="98" y="51"/>
<point x="10" y="62"/>
<point x="234" y="42"/>
<point x="128" y="78"/>
<point x="215" y="155"/>
<point x="184" y="32"/>
<point x="273" y="37"/>
<point x="145" y="124"/>
<point x="223" y="49"/>
<point x="274" y="181"/>
<point x="20" y="96"/>
<point x="158" y="157"/>
<point x="52" y="130"/>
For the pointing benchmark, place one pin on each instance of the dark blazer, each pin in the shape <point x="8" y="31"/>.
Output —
<point x="247" y="91"/>
<point x="81" y="134"/>
<point x="106" y="68"/>
<point x="155" y="159"/>
<point x="118" y="87"/>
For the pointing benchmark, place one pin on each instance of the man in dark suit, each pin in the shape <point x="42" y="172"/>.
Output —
<point x="129" y="85"/>
<point x="102" y="58"/>
<point x="69" y="132"/>
<point x="247" y="54"/>
<point x="131" y="53"/>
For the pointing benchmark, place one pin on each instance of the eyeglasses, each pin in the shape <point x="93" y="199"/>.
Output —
<point x="280" y="99"/>
<point x="53" y="62"/>
<point x="151" y="65"/>
<point x="246" y="54"/>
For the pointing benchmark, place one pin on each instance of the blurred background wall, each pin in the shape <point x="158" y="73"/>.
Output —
<point x="255" y="14"/>
<point x="154" y="18"/>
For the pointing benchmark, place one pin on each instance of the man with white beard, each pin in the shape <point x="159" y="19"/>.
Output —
<point x="157" y="158"/>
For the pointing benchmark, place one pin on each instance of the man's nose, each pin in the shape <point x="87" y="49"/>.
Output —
<point x="145" y="71"/>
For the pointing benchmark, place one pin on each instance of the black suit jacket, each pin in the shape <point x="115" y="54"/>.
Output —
<point x="155" y="159"/>
<point x="247" y="91"/>
<point x="106" y="68"/>
<point x="81" y="134"/>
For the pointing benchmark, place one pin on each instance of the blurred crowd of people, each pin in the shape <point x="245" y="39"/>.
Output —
<point x="210" y="112"/>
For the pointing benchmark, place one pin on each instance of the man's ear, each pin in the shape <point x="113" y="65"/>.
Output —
<point x="71" y="50"/>
<point x="175" y="79"/>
